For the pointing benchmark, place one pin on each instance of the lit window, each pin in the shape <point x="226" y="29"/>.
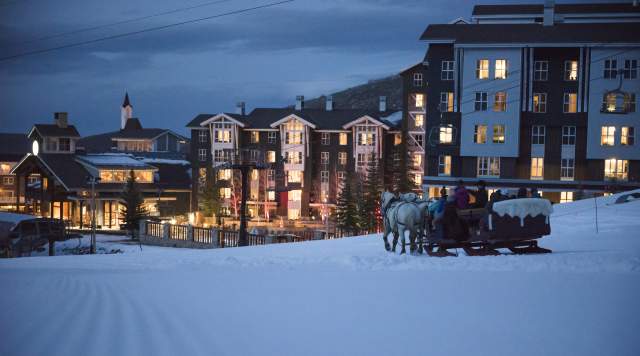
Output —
<point x="616" y="169"/>
<point x="482" y="69"/>
<point x="295" y="195"/>
<point x="501" y="69"/>
<point x="419" y="100"/>
<point x="500" y="102"/>
<point x="325" y="139"/>
<point x="222" y="132"/>
<point x="271" y="195"/>
<point x="566" y="197"/>
<point x="417" y="79"/>
<point x="255" y="174"/>
<point x="480" y="134"/>
<point x="417" y="179"/>
<point x="571" y="70"/>
<point x="324" y="157"/>
<point x="419" y="120"/>
<point x="324" y="177"/>
<point x="224" y="174"/>
<point x="610" y="69"/>
<point x="481" y="101"/>
<point x="607" y="136"/>
<point x="630" y="70"/>
<point x="537" y="167"/>
<point x="343" y="139"/>
<point x="541" y="70"/>
<point x="255" y="136"/>
<point x="540" y="102"/>
<point x="271" y="156"/>
<point x="202" y="179"/>
<point x="447" y="70"/>
<point x="537" y="134"/>
<point x="498" y="133"/>
<point x="271" y="178"/>
<point x="568" y="135"/>
<point x="446" y="101"/>
<point x="444" y="165"/>
<point x="397" y="139"/>
<point x="271" y="136"/>
<point x="417" y="160"/>
<point x="570" y="103"/>
<point x="567" y="169"/>
<point x="446" y="134"/>
<point x="7" y="180"/>
<point x="342" y="158"/>
<point x="202" y="154"/>
<point x="225" y="193"/>
<point x="294" y="176"/>
<point x="202" y="136"/>
<point x="627" y="135"/>
<point x="488" y="167"/>
<point x="293" y="157"/>
<point x="366" y="135"/>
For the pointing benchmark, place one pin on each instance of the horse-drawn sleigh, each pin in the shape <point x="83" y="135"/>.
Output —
<point x="513" y="224"/>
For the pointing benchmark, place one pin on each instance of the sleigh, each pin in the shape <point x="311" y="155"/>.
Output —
<point x="514" y="224"/>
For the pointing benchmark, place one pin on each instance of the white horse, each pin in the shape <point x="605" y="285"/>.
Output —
<point x="399" y="216"/>
<point x="423" y="207"/>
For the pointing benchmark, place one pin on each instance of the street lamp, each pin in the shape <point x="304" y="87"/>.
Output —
<point x="93" y="180"/>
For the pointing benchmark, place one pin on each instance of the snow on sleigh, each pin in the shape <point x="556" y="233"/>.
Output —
<point x="513" y="224"/>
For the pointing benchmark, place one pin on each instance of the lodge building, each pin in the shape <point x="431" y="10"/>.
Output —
<point x="531" y="96"/>
<point x="309" y="152"/>
<point x="53" y="179"/>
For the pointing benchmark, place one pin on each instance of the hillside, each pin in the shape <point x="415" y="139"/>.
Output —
<point x="336" y="297"/>
<point x="365" y="96"/>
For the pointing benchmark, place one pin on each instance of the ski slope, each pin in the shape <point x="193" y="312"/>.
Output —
<point x="338" y="297"/>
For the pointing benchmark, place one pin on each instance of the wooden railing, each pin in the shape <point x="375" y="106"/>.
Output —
<point x="155" y="229"/>
<point x="202" y="235"/>
<point x="228" y="238"/>
<point x="179" y="232"/>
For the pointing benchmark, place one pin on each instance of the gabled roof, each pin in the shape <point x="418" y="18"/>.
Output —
<point x="66" y="170"/>
<point x="322" y="119"/>
<point x="575" y="33"/>
<point x="13" y="146"/>
<point x="113" y="160"/>
<point x="237" y="119"/>
<point x="533" y="9"/>
<point x="200" y="118"/>
<point x="55" y="130"/>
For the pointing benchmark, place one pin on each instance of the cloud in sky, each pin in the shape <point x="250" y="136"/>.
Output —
<point x="265" y="57"/>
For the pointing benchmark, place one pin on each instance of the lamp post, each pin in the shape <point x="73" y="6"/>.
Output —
<point x="92" y="180"/>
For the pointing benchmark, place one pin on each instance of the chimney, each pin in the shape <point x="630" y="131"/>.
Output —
<point x="299" y="102"/>
<point x="383" y="103"/>
<point x="329" y="102"/>
<point x="548" y="16"/>
<point x="60" y="119"/>
<point x="240" y="108"/>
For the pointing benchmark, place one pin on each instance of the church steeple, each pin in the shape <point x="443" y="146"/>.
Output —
<point x="126" y="112"/>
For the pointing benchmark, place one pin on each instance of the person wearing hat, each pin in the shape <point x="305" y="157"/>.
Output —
<point x="481" y="195"/>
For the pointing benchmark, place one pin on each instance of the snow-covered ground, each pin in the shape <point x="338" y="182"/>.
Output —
<point x="338" y="297"/>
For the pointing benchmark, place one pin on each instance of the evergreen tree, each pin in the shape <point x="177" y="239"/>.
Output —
<point x="403" y="181"/>
<point x="211" y="201"/>
<point x="133" y="210"/>
<point x="347" y="207"/>
<point x="372" y="187"/>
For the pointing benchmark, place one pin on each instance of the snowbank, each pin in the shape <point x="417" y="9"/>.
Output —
<point x="337" y="297"/>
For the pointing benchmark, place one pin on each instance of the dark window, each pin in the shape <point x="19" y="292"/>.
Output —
<point x="64" y="144"/>
<point x="630" y="69"/>
<point x="537" y="134"/>
<point x="610" y="69"/>
<point x="481" y="101"/>
<point x="541" y="70"/>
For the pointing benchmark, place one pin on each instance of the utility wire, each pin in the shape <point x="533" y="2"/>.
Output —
<point x="93" y="28"/>
<point x="150" y="29"/>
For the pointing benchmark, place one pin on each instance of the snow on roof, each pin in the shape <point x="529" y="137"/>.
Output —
<point x="395" y="117"/>
<point x="165" y="161"/>
<point x="112" y="159"/>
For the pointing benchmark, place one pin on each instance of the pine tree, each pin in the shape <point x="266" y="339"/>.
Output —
<point x="133" y="210"/>
<point x="372" y="187"/>
<point x="347" y="207"/>
<point x="211" y="201"/>
<point x="403" y="182"/>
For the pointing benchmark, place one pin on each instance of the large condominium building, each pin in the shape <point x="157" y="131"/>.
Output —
<point x="309" y="152"/>
<point x="531" y="96"/>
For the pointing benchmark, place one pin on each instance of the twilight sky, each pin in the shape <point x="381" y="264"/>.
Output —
<point x="265" y="57"/>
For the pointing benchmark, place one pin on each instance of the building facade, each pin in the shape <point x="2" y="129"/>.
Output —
<point x="309" y="152"/>
<point x="551" y="105"/>
<point x="12" y="148"/>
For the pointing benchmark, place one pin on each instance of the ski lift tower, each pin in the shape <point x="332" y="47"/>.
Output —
<point x="244" y="160"/>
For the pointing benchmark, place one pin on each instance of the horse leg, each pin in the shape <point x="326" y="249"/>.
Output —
<point x="384" y="236"/>
<point x="402" y="239"/>
<point x="395" y="241"/>
<point x="412" y="239"/>
<point x="420" y="237"/>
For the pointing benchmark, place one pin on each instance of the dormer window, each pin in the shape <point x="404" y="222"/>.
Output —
<point x="51" y="144"/>
<point x="222" y="132"/>
<point x="255" y="137"/>
<point x="366" y="136"/>
<point x="64" y="144"/>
